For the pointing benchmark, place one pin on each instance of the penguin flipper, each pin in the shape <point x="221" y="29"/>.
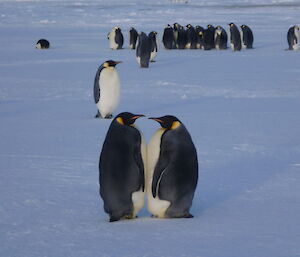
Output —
<point x="139" y="160"/>
<point x="159" y="171"/>
<point x="96" y="85"/>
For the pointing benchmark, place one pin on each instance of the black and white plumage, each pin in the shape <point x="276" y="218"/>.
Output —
<point x="121" y="168"/>
<point x="153" y="42"/>
<point x="133" y="35"/>
<point x="199" y="32"/>
<point x="235" y="37"/>
<point x="168" y="37"/>
<point x="172" y="170"/>
<point x="191" y="37"/>
<point x="181" y="36"/>
<point x="115" y="38"/>
<point x="221" y="38"/>
<point x="143" y="50"/>
<point x="107" y="89"/>
<point x="293" y="38"/>
<point x="247" y="37"/>
<point x="42" y="44"/>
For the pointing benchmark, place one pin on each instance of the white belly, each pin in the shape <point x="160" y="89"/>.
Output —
<point x="156" y="206"/>
<point x="112" y="42"/>
<point x="138" y="198"/>
<point x="152" y="55"/>
<point x="109" y="91"/>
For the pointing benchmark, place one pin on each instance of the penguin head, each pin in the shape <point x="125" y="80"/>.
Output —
<point x="231" y="24"/>
<point x="168" y="122"/>
<point x="110" y="63"/>
<point x="189" y="26"/>
<point x="127" y="118"/>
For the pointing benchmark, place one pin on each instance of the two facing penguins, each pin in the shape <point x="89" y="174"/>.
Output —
<point x="167" y="172"/>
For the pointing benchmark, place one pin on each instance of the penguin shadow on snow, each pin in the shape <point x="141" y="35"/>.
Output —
<point x="236" y="178"/>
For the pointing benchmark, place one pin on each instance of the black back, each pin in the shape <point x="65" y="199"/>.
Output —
<point x="133" y="35"/>
<point x="44" y="43"/>
<point x="208" y="39"/>
<point x="191" y="37"/>
<point x="152" y="38"/>
<point x="235" y="38"/>
<point x="119" y="39"/>
<point x="121" y="170"/>
<point x="182" y="38"/>
<point x="200" y="39"/>
<point x="291" y="37"/>
<point x="168" y="38"/>
<point x="143" y="50"/>
<point x="247" y="36"/>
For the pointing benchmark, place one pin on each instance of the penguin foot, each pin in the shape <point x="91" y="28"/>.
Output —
<point x="98" y="115"/>
<point x="154" y="216"/>
<point x="109" y="116"/>
<point x="152" y="61"/>
<point x="113" y="219"/>
<point x="188" y="216"/>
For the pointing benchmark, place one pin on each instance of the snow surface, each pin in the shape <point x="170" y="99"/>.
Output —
<point x="242" y="110"/>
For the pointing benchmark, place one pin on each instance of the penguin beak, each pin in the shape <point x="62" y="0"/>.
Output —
<point x="137" y="116"/>
<point x="117" y="62"/>
<point x="156" y="119"/>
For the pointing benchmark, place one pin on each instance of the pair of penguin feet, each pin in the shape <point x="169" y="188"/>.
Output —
<point x="98" y="116"/>
<point x="186" y="215"/>
<point x="126" y="217"/>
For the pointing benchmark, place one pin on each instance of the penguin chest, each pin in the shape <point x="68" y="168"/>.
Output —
<point x="112" y="41"/>
<point x="156" y="205"/>
<point x="109" y="84"/>
<point x="296" y="41"/>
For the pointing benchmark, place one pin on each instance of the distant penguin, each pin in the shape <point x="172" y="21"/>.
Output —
<point x="199" y="32"/>
<point x="235" y="37"/>
<point x="172" y="170"/>
<point x="293" y="37"/>
<point x="133" y="35"/>
<point x="176" y="26"/>
<point x="153" y="42"/>
<point x="247" y="37"/>
<point x="143" y="50"/>
<point x="121" y="168"/>
<point x="107" y="89"/>
<point x="168" y="37"/>
<point x="191" y="37"/>
<point x="221" y="38"/>
<point x="181" y="38"/>
<point x="42" y="44"/>
<point x="115" y="38"/>
<point x="209" y="38"/>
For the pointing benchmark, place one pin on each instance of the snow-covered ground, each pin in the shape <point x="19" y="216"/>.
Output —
<point x="242" y="110"/>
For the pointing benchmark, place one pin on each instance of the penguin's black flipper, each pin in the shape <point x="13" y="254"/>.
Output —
<point x="159" y="171"/>
<point x="139" y="160"/>
<point x="96" y="85"/>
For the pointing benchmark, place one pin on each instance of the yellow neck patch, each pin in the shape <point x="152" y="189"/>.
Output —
<point x="120" y="120"/>
<point x="175" y="125"/>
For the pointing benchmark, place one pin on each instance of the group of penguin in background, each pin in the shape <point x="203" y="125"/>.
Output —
<point x="190" y="37"/>
<point x="145" y="45"/>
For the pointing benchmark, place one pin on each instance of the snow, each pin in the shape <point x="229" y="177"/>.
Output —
<point x="242" y="110"/>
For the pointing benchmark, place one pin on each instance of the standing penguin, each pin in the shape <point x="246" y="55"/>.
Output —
<point x="209" y="37"/>
<point x="199" y="32"/>
<point x="152" y="37"/>
<point x="191" y="37"/>
<point x="247" y="37"/>
<point x="115" y="38"/>
<point x="235" y="37"/>
<point x="182" y="37"/>
<point x="107" y="89"/>
<point x="143" y="50"/>
<point x="133" y="35"/>
<point x="293" y="37"/>
<point x="42" y="44"/>
<point x="168" y="37"/>
<point x="172" y="170"/>
<point x="220" y="38"/>
<point x="121" y="168"/>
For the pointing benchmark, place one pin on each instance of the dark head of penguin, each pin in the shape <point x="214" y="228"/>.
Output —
<point x="127" y="118"/>
<point x="110" y="63"/>
<point x="167" y="122"/>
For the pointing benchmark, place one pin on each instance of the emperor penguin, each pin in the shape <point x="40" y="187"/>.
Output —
<point x="42" y="44"/>
<point x="220" y="38"/>
<point x="199" y="32"/>
<point x="121" y="168"/>
<point x="235" y="37"/>
<point x="143" y="50"/>
<point x="168" y="37"/>
<point x="247" y="37"/>
<point x="153" y="42"/>
<point x="209" y="37"/>
<point x="107" y="89"/>
<point x="133" y="35"/>
<point x="293" y="37"/>
<point x="191" y="37"/>
<point x="172" y="170"/>
<point x="115" y="38"/>
<point x="182" y="37"/>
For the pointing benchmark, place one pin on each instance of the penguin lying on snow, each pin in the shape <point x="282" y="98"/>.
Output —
<point x="247" y="37"/>
<point x="107" y="89"/>
<point x="121" y="168"/>
<point x="115" y="38"/>
<point x="42" y="44"/>
<point x="172" y="170"/>
<point x="143" y="50"/>
<point x="293" y="38"/>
